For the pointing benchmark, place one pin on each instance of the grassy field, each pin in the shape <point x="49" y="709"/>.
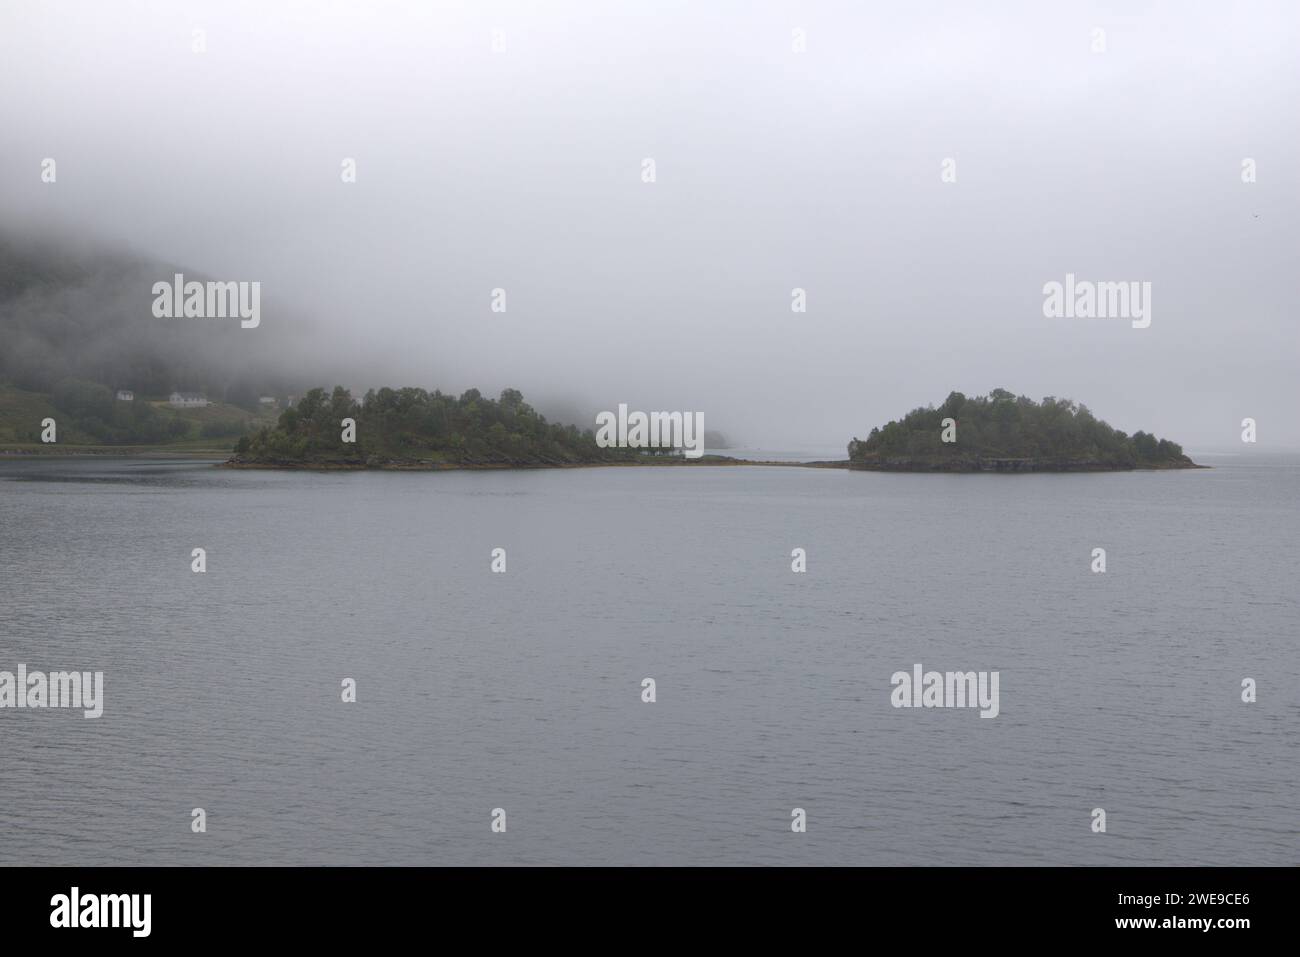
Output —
<point x="21" y="414"/>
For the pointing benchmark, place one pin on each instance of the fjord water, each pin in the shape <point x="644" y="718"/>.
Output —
<point x="523" y="690"/>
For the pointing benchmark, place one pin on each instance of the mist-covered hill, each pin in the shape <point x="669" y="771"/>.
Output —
<point x="73" y="313"/>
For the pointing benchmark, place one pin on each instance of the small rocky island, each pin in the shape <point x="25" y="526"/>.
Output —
<point x="1001" y="432"/>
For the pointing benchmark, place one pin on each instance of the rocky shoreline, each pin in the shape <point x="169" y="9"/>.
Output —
<point x="1014" y="465"/>
<point x="418" y="465"/>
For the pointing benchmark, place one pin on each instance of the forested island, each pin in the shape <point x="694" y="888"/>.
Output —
<point x="1001" y="432"/>
<point x="414" y="428"/>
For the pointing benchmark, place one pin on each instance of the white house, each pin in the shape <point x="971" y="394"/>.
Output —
<point x="187" y="400"/>
<point x="125" y="395"/>
<point x="267" y="400"/>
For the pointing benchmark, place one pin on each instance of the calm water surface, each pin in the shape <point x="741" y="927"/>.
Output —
<point x="522" y="691"/>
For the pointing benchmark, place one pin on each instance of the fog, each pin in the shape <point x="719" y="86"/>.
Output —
<point x="521" y="169"/>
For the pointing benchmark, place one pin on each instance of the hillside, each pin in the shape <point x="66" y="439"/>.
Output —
<point x="74" y="313"/>
<point x="87" y="415"/>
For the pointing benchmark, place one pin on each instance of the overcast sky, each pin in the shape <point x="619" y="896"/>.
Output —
<point x="522" y="169"/>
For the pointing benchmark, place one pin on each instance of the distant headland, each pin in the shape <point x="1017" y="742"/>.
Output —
<point x="1002" y="432"/>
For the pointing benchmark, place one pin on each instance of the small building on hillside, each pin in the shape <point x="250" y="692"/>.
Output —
<point x="125" y="395"/>
<point x="267" y="400"/>
<point x="187" y="400"/>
